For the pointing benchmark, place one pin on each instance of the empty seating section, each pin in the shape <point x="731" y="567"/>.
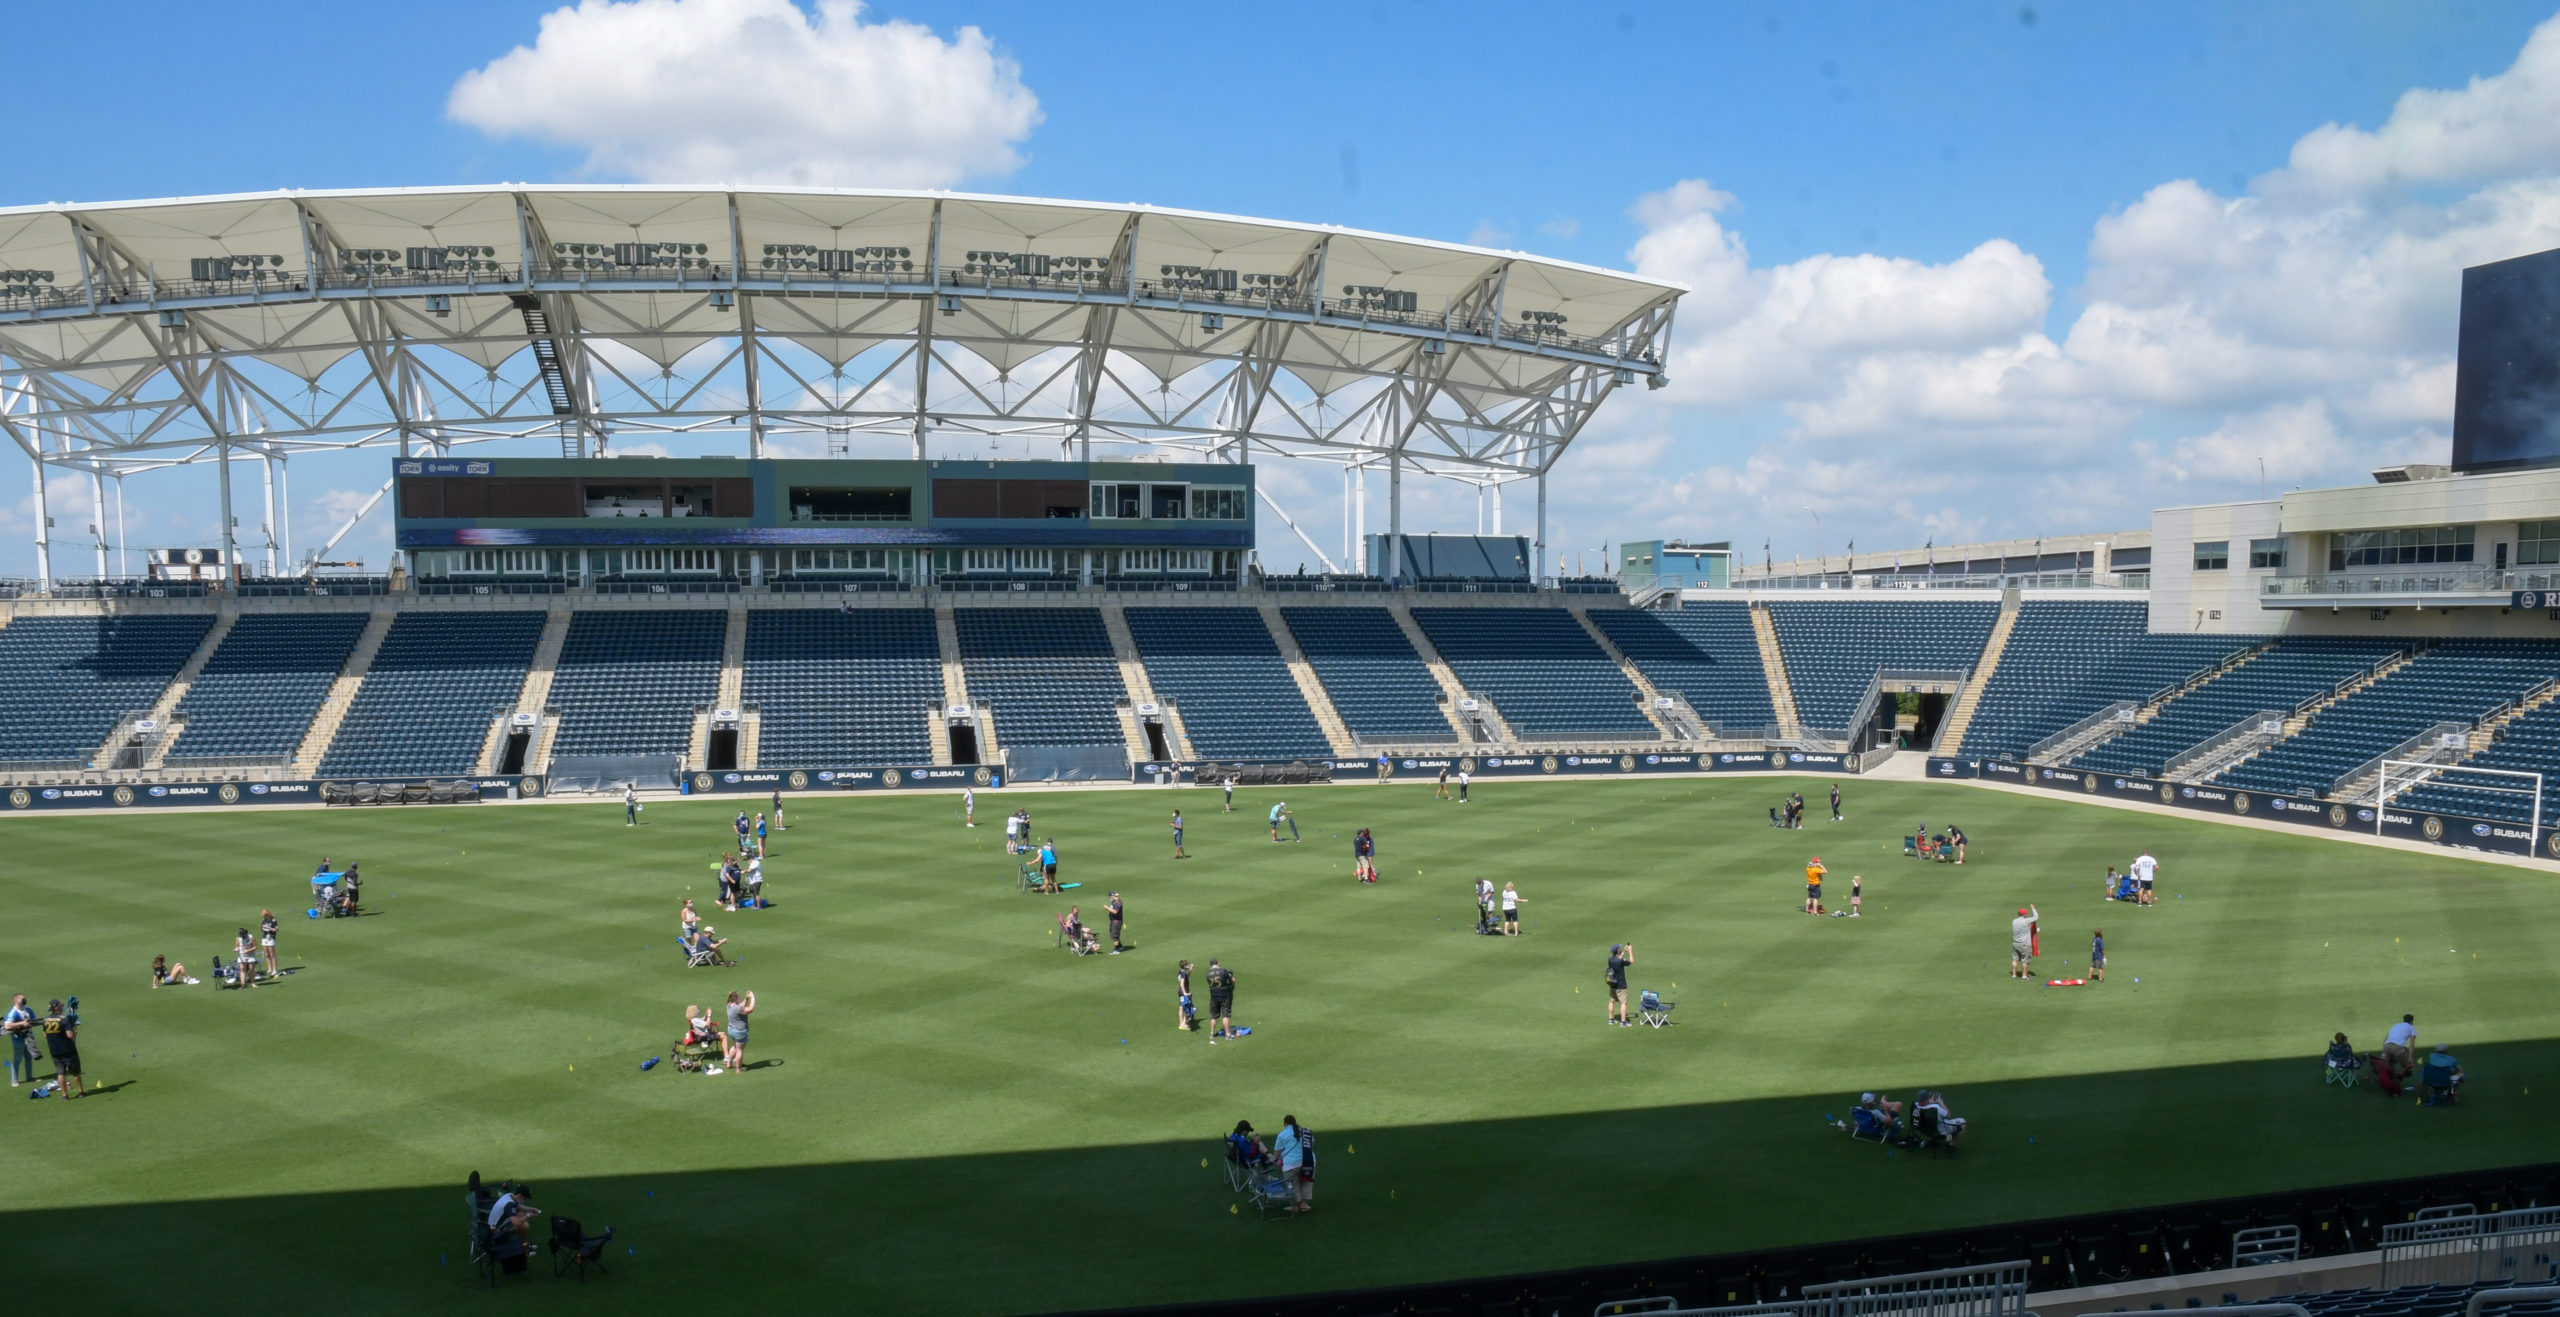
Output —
<point x="1703" y="653"/>
<point x="66" y="681"/>
<point x="425" y="705"/>
<point x="2422" y="1301"/>
<point x="1548" y="678"/>
<point x="629" y="682"/>
<point x="2293" y="671"/>
<point x="848" y="686"/>
<point x="2067" y="659"/>
<point x="1221" y="668"/>
<point x="1048" y="674"/>
<point x="2530" y="744"/>
<point x="2456" y="681"/>
<point x="257" y="694"/>
<point x="1380" y="686"/>
<point x="1834" y="651"/>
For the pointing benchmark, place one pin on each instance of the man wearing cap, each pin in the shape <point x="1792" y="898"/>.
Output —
<point x="1813" y="872"/>
<point x="2442" y="1075"/>
<point x="2022" y="941"/>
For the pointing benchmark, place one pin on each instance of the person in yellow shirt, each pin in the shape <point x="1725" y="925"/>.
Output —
<point x="1813" y="872"/>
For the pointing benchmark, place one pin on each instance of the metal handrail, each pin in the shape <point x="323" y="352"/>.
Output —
<point x="2121" y="711"/>
<point x="2509" y="1294"/>
<point x="2252" y="725"/>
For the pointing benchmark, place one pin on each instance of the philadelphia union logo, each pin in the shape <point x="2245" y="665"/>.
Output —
<point x="124" y="795"/>
<point x="19" y="799"/>
<point x="1547" y="765"/>
<point x="2089" y="783"/>
<point x="2167" y="795"/>
<point x="229" y="794"/>
<point x="2551" y="843"/>
<point x="1626" y="763"/>
<point x="890" y="777"/>
<point x="2240" y="802"/>
<point x="702" y="781"/>
<point x="799" y="780"/>
<point x="983" y="776"/>
<point x="2337" y="816"/>
<point x="1467" y="765"/>
<point x="529" y="787"/>
<point x="2433" y="827"/>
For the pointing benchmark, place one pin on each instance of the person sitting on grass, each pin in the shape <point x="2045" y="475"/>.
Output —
<point x="2442" y="1075"/>
<point x="1950" y="1125"/>
<point x="2343" y="1057"/>
<point x="162" y="972"/>
<point x="1071" y="926"/>
<point x="1877" y="1117"/>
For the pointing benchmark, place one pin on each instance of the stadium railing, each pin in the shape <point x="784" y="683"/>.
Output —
<point x="2058" y="746"/>
<point x="2458" y="1245"/>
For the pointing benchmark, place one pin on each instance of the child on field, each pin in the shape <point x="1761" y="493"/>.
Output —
<point x="2098" y="956"/>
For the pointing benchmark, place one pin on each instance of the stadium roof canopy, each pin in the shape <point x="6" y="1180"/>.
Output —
<point x="140" y="335"/>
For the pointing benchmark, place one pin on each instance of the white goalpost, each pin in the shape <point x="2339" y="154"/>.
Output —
<point x="2399" y="775"/>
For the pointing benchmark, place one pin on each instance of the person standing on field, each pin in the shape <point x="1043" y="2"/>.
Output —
<point x="1178" y="852"/>
<point x="630" y="805"/>
<point x="1835" y="802"/>
<point x="2022" y="941"/>
<point x="1230" y="785"/>
<point x="1222" y="1002"/>
<point x="2145" y="869"/>
<point x="1620" y="956"/>
<point x="1511" y="900"/>
<point x="1443" y="792"/>
<point x="969" y="807"/>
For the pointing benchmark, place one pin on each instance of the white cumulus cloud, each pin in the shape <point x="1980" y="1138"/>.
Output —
<point x="756" y="91"/>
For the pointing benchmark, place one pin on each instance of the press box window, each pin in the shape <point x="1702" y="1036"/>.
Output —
<point x="2266" y="553"/>
<point x="2400" y="548"/>
<point x="2537" y="543"/>
<point x="1118" y="501"/>
<point x="1218" y="504"/>
<point x="2213" y="555"/>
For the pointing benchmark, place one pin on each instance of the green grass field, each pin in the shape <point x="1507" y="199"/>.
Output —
<point x="949" y="1113"/>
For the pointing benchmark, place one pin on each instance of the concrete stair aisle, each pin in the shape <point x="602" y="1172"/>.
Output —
<point x="1337" y="733"/>
<point x="733" y="661"/>
<point x="531" y="699"/>
<point x="1652" y="709"/>
<point x="1133" y="679"/>
<point x="177" y="690"/>
<point x="697" y="746"/>
<point x="1451" y="689"/>
<point x="955" y="676"/>
<point x="1782" y="696"/>
<point x="342" y="695"/>
<point x="937" y="729"/>
<point x="750" y="738"/>
<point x="1960" y="716"/>
<point x="2486" y="734"/>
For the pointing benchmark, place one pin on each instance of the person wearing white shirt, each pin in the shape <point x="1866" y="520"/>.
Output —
<point x="1510" y="910"/>
<point x="969" y="806"/>
<point x="2400" y="1046"/>
<point x="755" y="879"/>
<point x="2144" y="869"/>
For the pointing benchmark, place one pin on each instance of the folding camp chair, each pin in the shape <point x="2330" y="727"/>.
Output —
<point x="1911" y="846"/>
<point x="1077" y="938"/>
<point x="494" y="1257"/>
<point x="572" y="1247"/>
<point x="1924" y="1123"/>
<point x="701" y="954"/>
<point x="1263" y="1184"/>
<point x="1656" y="1011"/>
<point x="1872" y="1126"/>
<point x="2349" y="1076"/>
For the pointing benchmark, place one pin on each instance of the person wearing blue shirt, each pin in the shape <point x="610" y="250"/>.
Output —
<point x="1280" y="814"/>
<point x="1048" y="864"/>
<point x="20" y="1023"/>
<point x="2442" y="1075"/>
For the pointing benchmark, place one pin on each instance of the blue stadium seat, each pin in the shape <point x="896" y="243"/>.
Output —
<point x="1224" y="672"/>
<point x="2067" y="659"/>
<point x="629" y="682"/>
<point x="2295" y="670"/>
<point x="425" y="705"/>
<point x="66" y="681"/>
<point x="257" y="694"/>
<point x="842" y="687"/>
<point x="1548" y="678"/>
<point x="1833" y="651"/>
<point x="1703" y="652"/>
<point x="2455" y="681"/>
<point x="1048" y="673"/>
<point x="1376" y="680"/>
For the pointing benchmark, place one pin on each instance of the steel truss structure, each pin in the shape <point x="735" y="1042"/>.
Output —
<point x="141" y="336"/>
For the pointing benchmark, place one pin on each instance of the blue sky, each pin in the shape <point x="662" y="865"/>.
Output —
<point x="1847" y="163"/>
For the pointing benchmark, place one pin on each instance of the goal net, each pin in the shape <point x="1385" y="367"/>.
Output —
<point x="2496" y="792"/>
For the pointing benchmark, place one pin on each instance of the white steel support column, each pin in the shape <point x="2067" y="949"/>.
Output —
<point x="230" y="542"/>
<point x="1497" y="507"/>
<point x="44" y="530"/>
<point x="284" y="509"/>
<point x="1539" y="550"/>
<point x="1350" y="551"/>
<point x="1360" y="517"/>
<point x="98" y="518"/>
<point x="124" y="562"/>
<point x="1395" y="498"/>
<point x="268" y="474"/>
